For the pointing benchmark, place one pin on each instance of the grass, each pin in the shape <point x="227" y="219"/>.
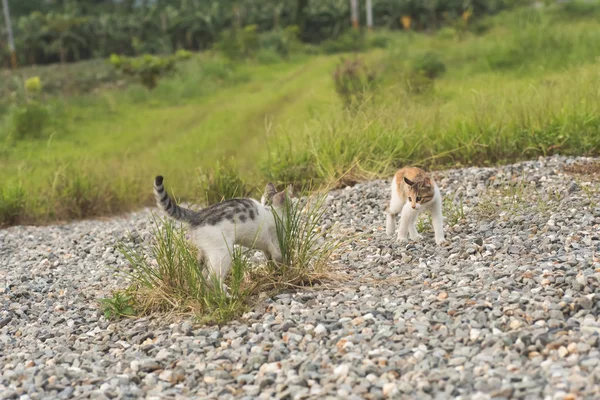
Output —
<point x="169" y="279"/>
<point x="528" y="86"/>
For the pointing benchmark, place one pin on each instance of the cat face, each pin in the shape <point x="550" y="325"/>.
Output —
<point x="419" y="192"/>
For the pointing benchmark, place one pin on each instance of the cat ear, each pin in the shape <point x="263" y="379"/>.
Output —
<point x="279" y="199"/>
<point x="427" y="181"/>
<point x="289" y="190"/>
<point x="270" y="191"/>
<point x="408" y="181"/>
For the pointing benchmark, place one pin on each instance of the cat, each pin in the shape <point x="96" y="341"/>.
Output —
<point x="413" y="191"/>
<point x="241" y="221"/>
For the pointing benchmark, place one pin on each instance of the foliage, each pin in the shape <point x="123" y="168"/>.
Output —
<point x="305" y="248"/>
<point x="429" y="65"/>
<point x="281" y="41"/>
<point x="148" y="68"/>
<point x="283" y="122"/>
<point x="221" y="182"/>
<point x="267" y="56"/>
<point x="33" y="84"/>
<point x="249" y="38"/>
<point x="28" y="116"/>
<point x="12" y="203"/>
<point x="47" y="32"/>
<point x="230" y="45"/>
<point x="117" y="306"/>
<point x="29" y="120"/>
<point x="379" y="40"/>
<point x="350" y="41"/>
<point x="354" y="81"/>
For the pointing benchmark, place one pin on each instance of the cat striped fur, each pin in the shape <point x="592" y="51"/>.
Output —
<point x="214" y="230"/>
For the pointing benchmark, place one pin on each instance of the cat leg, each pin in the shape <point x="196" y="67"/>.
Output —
<point x="437" y="220"/>
<point x="394" y="208"/>
<point x="412" y="226"/>
<point x="219" y="263"/>
<point x="406" y="221"/>
<point x="274" y="252"/>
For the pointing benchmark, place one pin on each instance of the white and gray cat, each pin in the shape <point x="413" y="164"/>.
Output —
<point x="243" y="221"/>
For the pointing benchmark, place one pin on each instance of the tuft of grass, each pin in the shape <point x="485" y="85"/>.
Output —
<point x="12" y="203"/>
<point x="171" y="279"/>
<point x="117" y="306"/>
<point x="354" y="81"/>
<point x="305" y="248"/>
<point x="453" y="210"/>
<point x="223" y="181"/>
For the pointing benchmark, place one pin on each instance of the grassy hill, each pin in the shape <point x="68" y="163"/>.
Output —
<point x="527" y="84"/>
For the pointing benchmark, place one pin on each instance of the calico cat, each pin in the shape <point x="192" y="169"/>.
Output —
<point x="413" y="191"/>
<point x="215" y="229"/>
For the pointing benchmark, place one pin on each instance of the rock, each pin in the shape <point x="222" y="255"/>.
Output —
<point x="507" y="309"/>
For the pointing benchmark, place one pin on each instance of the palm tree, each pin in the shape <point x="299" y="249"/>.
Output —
<point x="32" y="34"/>
<point x="65" y="37"/>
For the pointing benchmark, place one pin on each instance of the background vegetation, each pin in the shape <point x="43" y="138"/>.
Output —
<point x="86" y="139"/>
<point x="74" y="30"/>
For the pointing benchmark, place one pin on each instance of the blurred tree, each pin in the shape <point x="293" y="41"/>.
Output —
<point x="52" y="30"/>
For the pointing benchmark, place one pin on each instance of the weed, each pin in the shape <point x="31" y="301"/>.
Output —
<point x="230" y="45"/>
<point x="173" y="280"/>
<point x="424" y="223"/>
<point x="305" y="249"/>
<point x="12" y="203"/>
<point x="379" y="40"/>
<point x="266" y="56"/>
<point x="148" y="68"/>
<point x="283" y="42"/>
<point x="354" y="81"/>
<point x="453" y="210"/>
<point x="429" y="65"/>
<point x="591" y="193"/>
<point x="222" y="182"/>
<point x="117" y="306"/>
<point x="350" y="41"/>
<point x="29" y="120"/>
<point x="249" y="38"/>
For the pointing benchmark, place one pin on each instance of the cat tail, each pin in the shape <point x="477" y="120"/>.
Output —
<point x="167" y="205"/>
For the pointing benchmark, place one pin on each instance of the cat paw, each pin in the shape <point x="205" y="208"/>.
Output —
<point x="442" y="242"/>
<point x="417" y="237"/>
<point x="402" y="240"/>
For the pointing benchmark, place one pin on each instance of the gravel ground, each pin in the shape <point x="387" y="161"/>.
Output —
<point x="509" y="309"/>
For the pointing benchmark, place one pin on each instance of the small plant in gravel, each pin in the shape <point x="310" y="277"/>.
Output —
<point x="117" y="306"/>
<point x="171" y="279"/>
<point x="453" y="210"/>
<point x="305" y="250"/>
